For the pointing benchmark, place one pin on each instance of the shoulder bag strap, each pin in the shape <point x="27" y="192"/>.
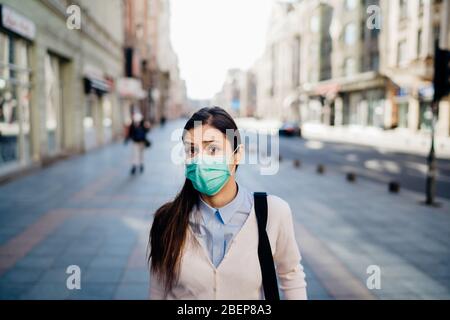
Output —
<point x="269" y="277"/>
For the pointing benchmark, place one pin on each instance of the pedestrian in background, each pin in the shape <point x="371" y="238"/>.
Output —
<point x="217" y="240"/>
<point x="137" y="132"/>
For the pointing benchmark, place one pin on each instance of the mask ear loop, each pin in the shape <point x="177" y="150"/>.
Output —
<point x="234" y="152"/>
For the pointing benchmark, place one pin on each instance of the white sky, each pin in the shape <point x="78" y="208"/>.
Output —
<point x="212" y="36"/>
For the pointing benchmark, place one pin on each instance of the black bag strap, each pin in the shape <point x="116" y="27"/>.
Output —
<point x="269" y="276"/>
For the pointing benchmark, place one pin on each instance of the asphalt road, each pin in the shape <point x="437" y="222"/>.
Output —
<point x="367" y="162"/>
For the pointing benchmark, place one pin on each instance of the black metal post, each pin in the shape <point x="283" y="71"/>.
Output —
<point x="431" y="160"/>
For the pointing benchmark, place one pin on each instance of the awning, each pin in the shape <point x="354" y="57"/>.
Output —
<point x="131" y="88"/>
<point x="97" y="86"/>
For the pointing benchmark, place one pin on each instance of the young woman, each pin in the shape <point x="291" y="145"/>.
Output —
<point x="204" y="243"/>
<point x="137" y="132"/>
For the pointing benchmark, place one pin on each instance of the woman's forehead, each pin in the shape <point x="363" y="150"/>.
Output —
<point x="203" y="133"/>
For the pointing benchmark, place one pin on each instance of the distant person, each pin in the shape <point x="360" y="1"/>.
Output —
<point x="163" y="121"/>
<point x="216" y="239"/>
<point x="137" y="132"/>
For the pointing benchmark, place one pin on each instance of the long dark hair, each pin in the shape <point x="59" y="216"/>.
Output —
<point x="169" y="229"/>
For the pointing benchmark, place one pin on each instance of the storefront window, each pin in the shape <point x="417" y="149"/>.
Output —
<point x="375" y="108"/>
<point x="14" y="100"/>
<point x="90" y="121"/>
<point x="403" y="114"/>
<point x="425" y="116"/>
<point x="53" y="103"/>
<point x="107" y="118"/>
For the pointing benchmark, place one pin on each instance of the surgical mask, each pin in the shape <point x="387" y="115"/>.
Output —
<point x="208" y="174"/>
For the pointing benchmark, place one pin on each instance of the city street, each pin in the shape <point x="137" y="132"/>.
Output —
<point x="89" y="212"/>
<point x="370" y="163"/>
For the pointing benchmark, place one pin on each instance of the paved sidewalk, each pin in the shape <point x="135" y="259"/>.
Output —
<point x="344" y="228"/>
<point x="88" y="211"/>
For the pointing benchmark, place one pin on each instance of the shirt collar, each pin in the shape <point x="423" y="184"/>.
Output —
<point x="227" y="211"/>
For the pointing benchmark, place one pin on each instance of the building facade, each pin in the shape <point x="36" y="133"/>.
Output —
<point x="58" y="70"/>
<point x="353" y="62"/>
<point x="169" y="98"/>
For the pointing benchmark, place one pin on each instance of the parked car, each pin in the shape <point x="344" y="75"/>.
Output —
<point x="290" y="129"/>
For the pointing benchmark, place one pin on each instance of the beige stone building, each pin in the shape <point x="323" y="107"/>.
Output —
<point x="238" y="93"/>
<point x="152" y="78"/>
<point x="169" y="90"/>
<point x="278" y="72"/>
<point x="57" y="81"/>
<point x="408" y="61"/>
<point x="328" y="62"/>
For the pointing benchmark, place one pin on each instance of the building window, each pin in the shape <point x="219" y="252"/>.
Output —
<point x="296" y="62"/>
<point x="401" y="52"/>
<point x="419" y="43"/>
<point x="14" y="100"/>
<point x="421" y="7"/>
<point x="403" y="8"/>
<point x="273" y="76"/>
<point x="436" y="33"/>
<point x="53" y="88"/>
<point x="350" y="34"/>
<point x="374" y="61"/>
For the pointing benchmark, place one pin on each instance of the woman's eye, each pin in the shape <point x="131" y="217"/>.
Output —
<point x="190" y="151"/>
<point x="213" y="149"/>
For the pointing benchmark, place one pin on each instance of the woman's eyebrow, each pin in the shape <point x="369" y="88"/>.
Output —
<point x="203" y="141"/>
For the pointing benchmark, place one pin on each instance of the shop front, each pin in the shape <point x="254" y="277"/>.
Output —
<point x="97" y="120"/>
<point x="16" y="37"/>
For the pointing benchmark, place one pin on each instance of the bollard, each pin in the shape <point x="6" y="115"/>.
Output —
<point x="351" y="177"/>
<point x="320" y="169"/>
<point x="394" y="187"/>
<point x="297" y="163"/>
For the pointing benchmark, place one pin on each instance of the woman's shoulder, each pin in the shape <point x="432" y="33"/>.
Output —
<point x="278" y="208"/>
<point x="279" y="214"/>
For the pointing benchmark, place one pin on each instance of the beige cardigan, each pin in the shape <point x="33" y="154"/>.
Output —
<point x="238" y="277"/>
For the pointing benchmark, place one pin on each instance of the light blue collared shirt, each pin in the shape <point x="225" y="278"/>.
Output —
<point x="218" y="226"/>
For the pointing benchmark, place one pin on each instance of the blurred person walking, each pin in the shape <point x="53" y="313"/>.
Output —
<point x="137" y="132"/>
<point x="217" y="240"/>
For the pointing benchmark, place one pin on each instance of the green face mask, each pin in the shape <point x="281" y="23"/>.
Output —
<point x="209" y="174"/>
